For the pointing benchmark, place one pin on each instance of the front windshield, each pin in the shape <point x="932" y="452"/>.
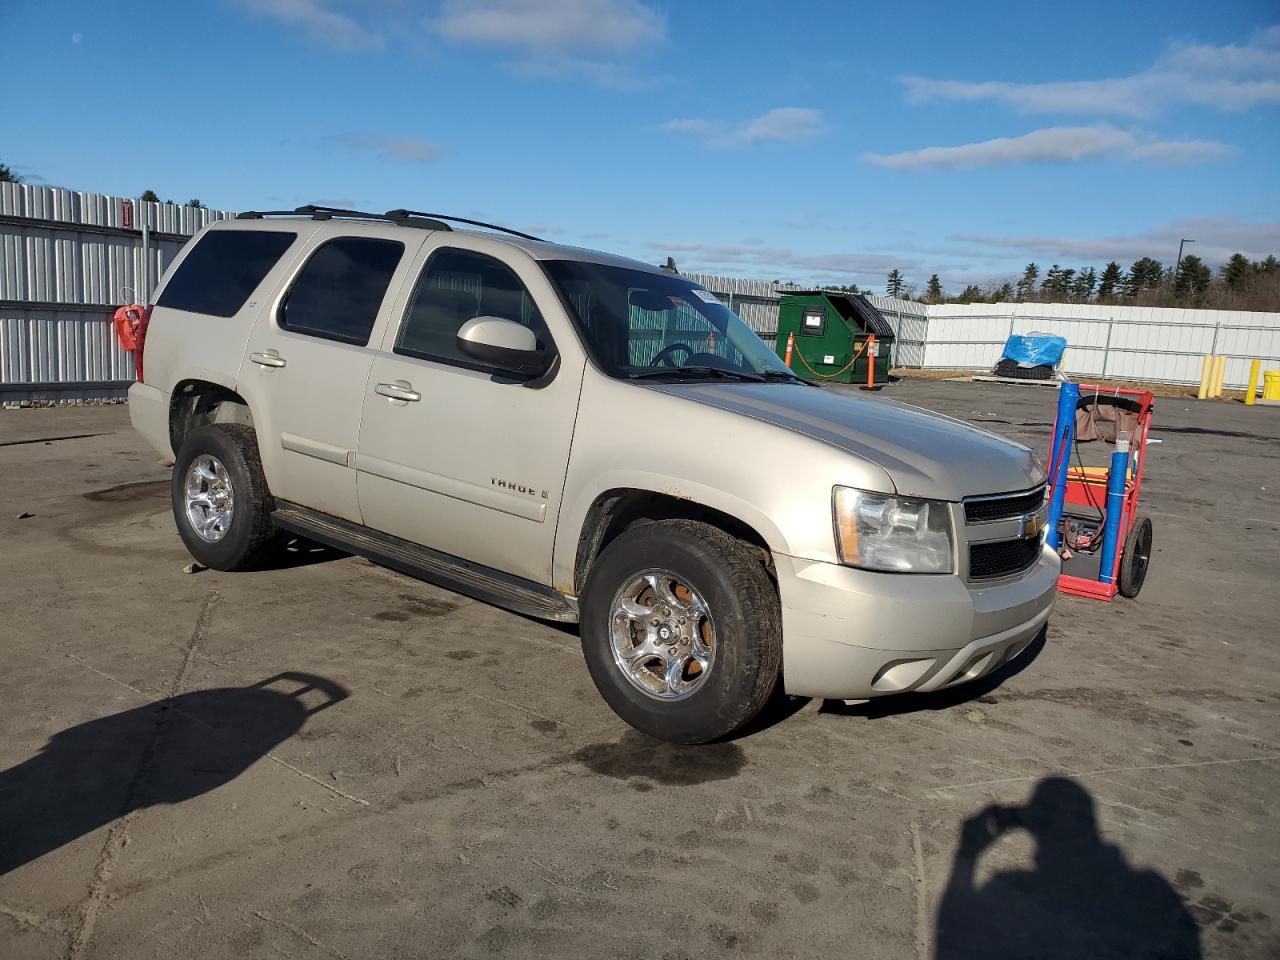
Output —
<point x="642" y="324"/>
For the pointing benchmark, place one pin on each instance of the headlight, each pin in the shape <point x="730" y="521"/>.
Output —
<point x="898" y="534"/>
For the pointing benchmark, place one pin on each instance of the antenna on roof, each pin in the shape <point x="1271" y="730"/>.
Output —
<point x="669" y="266"/>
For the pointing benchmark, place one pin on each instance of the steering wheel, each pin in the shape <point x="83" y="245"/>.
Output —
<point x="664" y="355"/>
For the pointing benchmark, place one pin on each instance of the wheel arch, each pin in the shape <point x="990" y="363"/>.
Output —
<point x="619" y="508"/>
<point x="196" y="403"/>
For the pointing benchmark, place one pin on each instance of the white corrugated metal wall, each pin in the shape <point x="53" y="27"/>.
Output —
<point x="67" y="259"/>
<point x="1155" y="344"/>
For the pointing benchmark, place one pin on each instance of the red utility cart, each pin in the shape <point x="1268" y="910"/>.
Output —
<point x="1102" y="414"/>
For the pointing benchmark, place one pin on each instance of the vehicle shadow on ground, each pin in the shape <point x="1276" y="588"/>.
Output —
<point x="290" y="551"/>
<point x="164" y="752"/>
<point x="1080" y="898"/>
<point x="980" y="690"/>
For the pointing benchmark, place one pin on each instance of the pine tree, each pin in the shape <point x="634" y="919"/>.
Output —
<point x="970" y="294"/>
<point x="1027" y="285"/>
<point x="1145" y="274"/>
<point x="195" y="203"/>
<point x="1082" y="286"/>
<point x="1235" y="270"/>
<point x="1003" y="293"/>
<point x="1193" y="277"/>
<point x="933" y="293"/>
<point x="1110" y="284"/>
<point x="8" y="176"/>
<point x="894" y="283"/>
<point x="1050" y="279"/>
<point x="1057" y="281"/>
<point x="149" y="196"/>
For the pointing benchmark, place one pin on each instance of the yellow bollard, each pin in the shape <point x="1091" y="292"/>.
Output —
<point x="1250" y="394"/>
<point x="1206" y="372"/>
<point x="1219" y="373"/>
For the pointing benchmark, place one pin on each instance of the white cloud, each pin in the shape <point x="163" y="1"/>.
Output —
<point x="540" y="27"/>
<point x="595" y="40"/>
<point x="782" y="124"/>
<point x="320" y="22"/>
<point x="781" y="262"/>
<point x="1229" y="77"/>
<point x="387" y="147"/>
<point x="1216" y="239"/>
<point x="1054" y="144"/>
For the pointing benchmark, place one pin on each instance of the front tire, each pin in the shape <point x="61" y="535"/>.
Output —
<point x="682" y="630"/>
<point x="221" y="503"/>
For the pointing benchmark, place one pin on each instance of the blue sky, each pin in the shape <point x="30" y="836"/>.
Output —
<point x="808" y="141"/>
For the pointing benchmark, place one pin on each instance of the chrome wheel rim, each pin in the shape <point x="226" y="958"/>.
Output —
<point x="662" y="636"/>
<point x="210" y="498"/>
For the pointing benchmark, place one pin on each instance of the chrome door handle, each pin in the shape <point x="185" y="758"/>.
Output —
<point x="399" y="390"/>
<point x="268" y="359"/>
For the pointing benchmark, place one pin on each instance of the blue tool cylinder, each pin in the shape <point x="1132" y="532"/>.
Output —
<point x="1064" y="436"/>
<point x="1115" y="509"/>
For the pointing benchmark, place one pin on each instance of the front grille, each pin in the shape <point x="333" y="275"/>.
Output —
<point x="1002" y="557"/>
<point x="987" y="509"/>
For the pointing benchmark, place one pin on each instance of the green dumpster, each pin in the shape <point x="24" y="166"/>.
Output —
<point x="830" y="328"/>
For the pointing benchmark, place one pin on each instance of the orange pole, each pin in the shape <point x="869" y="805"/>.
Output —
<point x="791" y="345"/>
<point x="871" y="361"/>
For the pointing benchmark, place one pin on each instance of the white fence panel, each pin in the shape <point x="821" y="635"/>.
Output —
<point x="67" y="258"/>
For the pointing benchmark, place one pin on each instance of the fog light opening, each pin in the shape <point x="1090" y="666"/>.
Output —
<point x="900" y="675"/>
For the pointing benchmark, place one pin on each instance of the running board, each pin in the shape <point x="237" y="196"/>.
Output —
<point x="483" y="583"/>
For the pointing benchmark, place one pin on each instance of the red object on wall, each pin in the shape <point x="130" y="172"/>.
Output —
<point x="131" y="322"/>
<point x="127" y="219"/>
<point x="127" y="320"/>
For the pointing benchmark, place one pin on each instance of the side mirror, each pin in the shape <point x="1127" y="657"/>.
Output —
<point x="503" y="344"/>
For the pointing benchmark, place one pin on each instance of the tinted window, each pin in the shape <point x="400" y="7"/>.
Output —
<point x="225" y="267"/>
<point x="456" y="286"/>
<point x="338" y="293"/>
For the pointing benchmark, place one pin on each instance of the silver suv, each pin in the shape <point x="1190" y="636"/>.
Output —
<point x="585" y="438"/>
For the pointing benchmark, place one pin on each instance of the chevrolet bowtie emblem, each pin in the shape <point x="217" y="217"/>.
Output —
<point x="1029" y="525"/>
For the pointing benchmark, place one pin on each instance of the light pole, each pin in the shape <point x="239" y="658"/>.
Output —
<point x="1178" y="265"/>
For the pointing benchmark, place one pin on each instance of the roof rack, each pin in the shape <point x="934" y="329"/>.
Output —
<point x="317" y="212"/>
<point x="407" y="216"/>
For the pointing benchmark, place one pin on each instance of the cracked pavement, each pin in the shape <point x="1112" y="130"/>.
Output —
<point x="327" y="759"/>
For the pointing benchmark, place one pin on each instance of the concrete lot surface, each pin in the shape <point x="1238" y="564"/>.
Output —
<point x="326" y="759"/>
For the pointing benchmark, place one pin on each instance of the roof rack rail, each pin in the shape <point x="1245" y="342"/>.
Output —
<point x="317" y="212"/>
<point x="407" y="216"/>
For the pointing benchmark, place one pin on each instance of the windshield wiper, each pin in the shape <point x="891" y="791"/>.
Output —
<point x="783" y="376"/>
<point x="697" y="373"/>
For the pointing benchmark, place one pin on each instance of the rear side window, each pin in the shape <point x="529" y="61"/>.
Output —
<point x="337" y="294"/>
<point x="225" y="267"/>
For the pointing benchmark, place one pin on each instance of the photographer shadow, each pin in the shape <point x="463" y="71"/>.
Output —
<point x="1080" y="899"/>
<point x="164" y="752"/>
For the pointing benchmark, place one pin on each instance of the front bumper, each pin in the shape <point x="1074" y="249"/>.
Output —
<point x="853" y="634"/>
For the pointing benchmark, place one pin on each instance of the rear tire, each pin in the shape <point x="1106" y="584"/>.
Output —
<point x="221" y="503"/>
<point x="1136" y="559"/>
<point x="717" y="584"/>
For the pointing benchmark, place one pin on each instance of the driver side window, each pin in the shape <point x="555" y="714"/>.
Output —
<point x="455" y="286"/>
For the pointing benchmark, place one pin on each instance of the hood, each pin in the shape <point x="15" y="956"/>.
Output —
<point x="925" y="454"/>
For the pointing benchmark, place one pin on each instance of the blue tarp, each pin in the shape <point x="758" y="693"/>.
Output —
<point x="1034" y="349"/>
